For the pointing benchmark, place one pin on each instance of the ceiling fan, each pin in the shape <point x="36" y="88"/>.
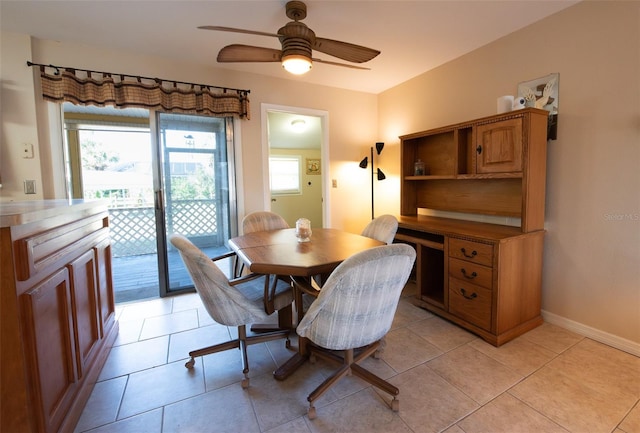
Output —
<point x="297" y="42"/>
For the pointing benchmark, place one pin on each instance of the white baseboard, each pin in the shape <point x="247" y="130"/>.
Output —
<point x="592" y="333"/>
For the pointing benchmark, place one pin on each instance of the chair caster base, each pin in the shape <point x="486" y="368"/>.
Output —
<point x="190" y="363"/>
<point x="311" y="412"/>
<point x="395" y="405"/>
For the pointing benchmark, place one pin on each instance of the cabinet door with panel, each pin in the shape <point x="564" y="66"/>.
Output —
<point x="85" y="311"/>
<point x="50" y="344"/>
<point x="106" y="301"/>
<point x="499" y="146"/>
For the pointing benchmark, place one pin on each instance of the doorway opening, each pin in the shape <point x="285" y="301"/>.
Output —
<point x="296" y="134"/>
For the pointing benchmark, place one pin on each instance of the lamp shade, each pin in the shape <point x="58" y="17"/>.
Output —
<point x="364" y="162"/>
<point x="381" y="175"/>
<point x="379" y="147"/>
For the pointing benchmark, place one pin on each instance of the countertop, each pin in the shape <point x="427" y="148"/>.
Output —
<point x="13" y="213"/>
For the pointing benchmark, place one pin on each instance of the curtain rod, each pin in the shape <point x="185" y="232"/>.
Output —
<point x="57" y="68"/>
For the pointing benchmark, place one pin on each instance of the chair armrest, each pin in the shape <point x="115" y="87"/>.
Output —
<point x="238" y="266"/>
<point x="244" y="279"/>
<point x="224" y="256"/>
<point x="305" y="286"/>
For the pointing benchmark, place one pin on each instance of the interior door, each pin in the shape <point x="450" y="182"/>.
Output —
<point x="193" y="190"/>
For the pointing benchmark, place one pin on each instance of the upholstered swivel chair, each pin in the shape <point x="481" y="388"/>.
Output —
<point x="382" y="228"/>
<point x="264" y="221"/>
<point x="354" y="311"/>
<point x="234" y="302"/>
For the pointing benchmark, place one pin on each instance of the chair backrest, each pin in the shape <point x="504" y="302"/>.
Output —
<point x="382" y="228"/>
<point x="359" y="299"/>
<point x="263" y="221"/>
<point x="224" y="303"/>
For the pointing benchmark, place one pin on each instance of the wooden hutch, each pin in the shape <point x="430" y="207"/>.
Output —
<point x="483" y="277"/>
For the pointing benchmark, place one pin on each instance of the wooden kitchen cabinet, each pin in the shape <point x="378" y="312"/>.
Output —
<point x="484" y="277"/>
<point x="58" y="311"/>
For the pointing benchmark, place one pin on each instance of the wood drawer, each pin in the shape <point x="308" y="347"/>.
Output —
<point x="470" y="302"/>
<point x="57" y="246"/>
<point x="471" y="251"/>
<point x="471" y="272"/>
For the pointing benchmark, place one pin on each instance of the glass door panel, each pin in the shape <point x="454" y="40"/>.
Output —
<point x="194" y="190"/>
<point x="116" y="165"/>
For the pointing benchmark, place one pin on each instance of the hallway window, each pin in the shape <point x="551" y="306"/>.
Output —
<point x="284" y="174"/>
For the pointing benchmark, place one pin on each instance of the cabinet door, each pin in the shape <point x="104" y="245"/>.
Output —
<point x="85" y="309"/>
<point x="499" y="147"/>
<point x="104" y="279"/>
<point x="49" y="331"/>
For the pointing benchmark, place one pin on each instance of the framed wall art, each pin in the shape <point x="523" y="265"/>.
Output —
<point x="313" y="166"/>
<point x="543" y="93"/>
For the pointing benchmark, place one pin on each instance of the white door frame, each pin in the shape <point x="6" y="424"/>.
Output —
<point x="324" y="152"/>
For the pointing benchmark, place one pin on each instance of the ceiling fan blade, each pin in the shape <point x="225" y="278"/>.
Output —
<point x="326" y="62"/>
<point x="232" y="29"/>
<point x="248" y="53"/>
<point x="344" y="50"/>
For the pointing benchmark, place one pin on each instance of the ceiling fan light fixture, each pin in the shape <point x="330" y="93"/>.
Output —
<point x="296" y="64"/>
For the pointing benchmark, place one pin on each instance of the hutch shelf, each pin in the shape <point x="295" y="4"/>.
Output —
<point x="483" y="277"/>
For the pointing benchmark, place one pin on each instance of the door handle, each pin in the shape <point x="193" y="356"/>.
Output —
<point x="159" y="204"/>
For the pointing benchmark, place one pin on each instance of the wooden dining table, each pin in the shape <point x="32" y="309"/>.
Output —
<point x="278" y="252"/>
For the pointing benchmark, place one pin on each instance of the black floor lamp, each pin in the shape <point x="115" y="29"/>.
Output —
<point x="380" y="174"/>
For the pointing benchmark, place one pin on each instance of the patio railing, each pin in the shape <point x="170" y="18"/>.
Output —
<point x="133" y="229"/>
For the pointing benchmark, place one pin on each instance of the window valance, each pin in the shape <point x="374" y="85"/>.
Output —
<point x="84" y="87"/>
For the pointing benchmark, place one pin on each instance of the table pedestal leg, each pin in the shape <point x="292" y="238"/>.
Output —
<point x="293" y="363"/>
<point x="285" y="321"/>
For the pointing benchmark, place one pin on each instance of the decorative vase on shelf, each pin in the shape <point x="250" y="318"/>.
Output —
<point x="418" y="168"/>
<point x="303" y="230"/>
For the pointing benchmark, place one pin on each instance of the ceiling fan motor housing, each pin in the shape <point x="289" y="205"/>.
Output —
<point x="296" y="39"/>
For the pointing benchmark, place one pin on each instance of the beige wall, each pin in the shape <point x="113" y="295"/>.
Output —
<point x="592" y="255"/>
<point x="592" y="252"/>
<point x="352" y="119"/>
<point x="18" y="111"/>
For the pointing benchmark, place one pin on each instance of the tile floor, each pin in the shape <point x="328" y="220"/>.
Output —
<point x="548" y="380"/>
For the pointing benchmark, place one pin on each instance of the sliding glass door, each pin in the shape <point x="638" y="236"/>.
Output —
<point x="161" y="174"/>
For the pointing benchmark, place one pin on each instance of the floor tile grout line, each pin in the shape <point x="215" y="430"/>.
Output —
<point x="537" y="411"/>
<point x="508" y="391"/>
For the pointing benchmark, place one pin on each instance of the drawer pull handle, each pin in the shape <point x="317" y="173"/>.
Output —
<point x="469" y="256"/>
<point x="463" y="292"/>
<point x="471" y="277"/>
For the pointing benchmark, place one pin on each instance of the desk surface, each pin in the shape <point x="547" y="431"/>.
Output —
<point x="279" y="252"/>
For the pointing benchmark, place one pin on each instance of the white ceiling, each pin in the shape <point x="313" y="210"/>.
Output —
<point x="413" y="36"/>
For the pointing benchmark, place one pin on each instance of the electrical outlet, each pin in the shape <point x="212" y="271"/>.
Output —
<point x="334" y="183"/>
<point x="29" y="186"/>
